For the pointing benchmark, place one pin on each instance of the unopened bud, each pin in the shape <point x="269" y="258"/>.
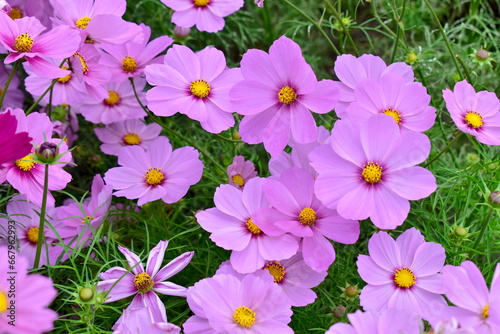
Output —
<point x="339" y="311"/>
<point x="86" y="294"/>
<point x="461" y="231"/>
<point x="47" y="152"/>
<point x="495" y="197"/>
<point x="411" y="58"/>
<point x="351" y="291"/>
<point x="482" y="54"/>
<point x="181" y="32"/>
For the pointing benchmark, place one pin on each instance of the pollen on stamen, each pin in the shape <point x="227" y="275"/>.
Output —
<point x="87" y="219"/>
<point x="32" y="235"/>
<point x="83" y="22"/>
<point x="113" y="99"/>
<point x="404" y="278"/>
<point x="307" y="217"/>
<point x="154" y="176"/>
<point x="201" y="3"/>
<point x="254" y="229"/>
<point x="131" y="139"/>
<point x="83" y="62"/>
<point x="473" y="119"/>
<point x="396" y="115"/>
<point x="129" y="64"/>
<point x="277" y="270"/>
<point x="65" y="79"/>
<point x="200" y="88"/>
<point x="23" y="43"/>
<point x="244" y="316"/>
<point x="372" y="173"/>
<point x="26" y="164"/>
<point x="287" y="95"/>
<point x="238" y="179"/>
<point x="15" y="13"/>
<point x="143" y="282"/>
<point x="485" y="313"/>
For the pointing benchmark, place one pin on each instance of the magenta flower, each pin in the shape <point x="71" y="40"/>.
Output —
<point x="129" y="59"/>
<point x="23" y="40"/>
<point x="477" y="114"/>
<point x="296" y="210"/>
<point x="369" y="171"/>
<point x="232" y="227"/>
<point x="156" y="173"/>
<point x="402" y="274"/>
<point x="276" y="95"/>
<point x="250" y="305"/>
<point x="120" y="283"/>
<point x="390" y="321"/>
<point x="407" y="103"/>
<point x="127" y="133"/>
<point x="207" y="15"/>
<point x="194" y="84"/>
<point x="351" y="70"/>
<point x="477" y="308"/>
<point x="139" y="320"/>
<point x="240" y="171"/>
<point x="33" y="295"/>
<point x="13" y="144"/>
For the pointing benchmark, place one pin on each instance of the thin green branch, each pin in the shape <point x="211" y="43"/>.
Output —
<point x="7" y="84"/>
<point x="41" y="236"/>
<point x="344" y="28"/>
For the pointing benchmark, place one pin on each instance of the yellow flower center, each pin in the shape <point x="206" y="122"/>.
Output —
<point x="87" y="219"/>
<point x="485" y="313"/>
<point x="113" y="99"/>
<point x="16" y="13"/>
<point x="85" y="67"/>
<point x="404" y="277"/>
<point x="154" y="176"/>
<point x="131" y="139"/>
<point x="287" y="95"/>
<point x="372" y="172"/>
<point x="277" y="270"/>
<point x="23" y="43"/>
<point x="83" y="22"/>
<point x="3" y="302"/>
<point x="474" y="119"/>
<point x="66" y="78"/>
<point x="200" y="88"/>
<point x="254" y="229"/>
<point x="32" y="235"/>
<point x="89" y="40"/>
<point x="26" y="164"/>
<point x="201" y="3"/>
<point x="129" y="64"/>
<point x="307" y="217"/>
<point x="143" y="283"/>
<point x="244" y="316"/>
<point x="238" y="179"/>
<point x="394" y="113"/>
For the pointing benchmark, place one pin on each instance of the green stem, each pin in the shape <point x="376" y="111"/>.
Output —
<point x="7" y="84"/>
<point x="398" y="32"/>
<point x="41" y="238"/>
<point x="310" y="19"/>
<point x="33" y="106"/>
<point x="467" y="74"/>
<point x="445" y="149"/>
<point x="137" y="95"/>
<point x="483" y="229"/>
<point x="446" y="41"/>
<point x="344" y="28"/>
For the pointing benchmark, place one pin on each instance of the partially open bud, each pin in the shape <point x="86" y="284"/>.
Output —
<point x="86" y="294"/>
<point x="495" y="197"/>
<point x="181" y="32"/>
<point x="482" y="54"/>
<point x="47" y="152"/>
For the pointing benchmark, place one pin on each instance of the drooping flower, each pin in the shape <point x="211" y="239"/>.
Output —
<point x="13" y="144"/>
<point x="240" y="171"/>
<point x="232" y="227"/>
<point x="369" y="171"/>
<point x="476" y="307"/>
<point x="156" y="173"/>
<point x="139" y="320"/>
<point x="33" y="294"/>
<point x="127" y="133"/>
<point x="250" y="305"/>
<point x="120" y="283"/>
<point x="296" y="210"/>
<point x="277" y="95"/>
<point x="207" y="15"/>
<point x="402" y="274"/>
<point x="194" y="84"/>
<point x="477" y="114"/>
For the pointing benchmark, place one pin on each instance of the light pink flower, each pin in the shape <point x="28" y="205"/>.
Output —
<point x="240" y="171"/>
<point x="139" y="320"/>
<point x="42" y="10"/>
<point x="87" y="69"/>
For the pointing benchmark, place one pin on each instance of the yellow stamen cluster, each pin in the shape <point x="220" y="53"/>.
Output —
<point x="131" y="139"/>
<point x="16" y="13"/>
<point x="287" y="95"/>
<point x="87" y="219"/>
<point x="372" y="172"/>
<point x="113" y="99"/>
<point x="129" y="64"/>
<point x="201" y="3"/>
<point x="244" y="316"/>
<point x="26" y="164"/>
<point x="83" y="22"/>
<point x="238" y="179"/>
<point x="277" y="270"/>
<point x="143" y="282"/>
<point x="485" y="313"/>
<point x="307" y="217"/>
<point x="83" y="62"/>
<point x="254" y="229"/>
<point x="66" y="78"/>
<point x="32" y="235"/>
<point x="200" y="88"/>
<point x="23" y="43"/>
<point x="154" y="176"/>
<point x="474" y="119"/>
<point x="3" y="302"/>
<point x="394" y="113"/>
<point x="404" y="277"/>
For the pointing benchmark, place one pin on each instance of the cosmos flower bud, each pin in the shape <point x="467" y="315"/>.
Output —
<point x="339" y="311"/>
<point x="461" y="231"/>
<point x="181" y="32"/>
<point x="495" y="197"/>
<point x="482" y="54"/>
<point x="47" y="152"/>
<point x="86" y="294"/>
<point x="411" y="58"/>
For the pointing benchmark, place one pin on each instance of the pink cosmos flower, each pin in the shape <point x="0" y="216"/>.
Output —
<point x="351" y="71"/>
<point x="139" y="320"/>
<point x="121" y="283"/>
<point x="276" y="95"/>
<point x="42" y="10"/>
<point x="369" y="171"/>
<point x="156" y="173"/>
<point x="14" y="97"/>
<point x="33" y="295"/>
<point x="207" y="15"/>
<point x="232" y="227"/>
<point x="477" y="308"/>
<point x="451" y="326"/>
<point x="119" y="105"/>
<point x="23" y="40"/>
<point x="296" y="210"/>
<point x="407" y="103"/>
<point x="194" y="84"/>
<point x="240" y="171"/>
<point x="390" y="321"/>
<point x="250" y="305"/>
<point x="129" y="59"/>
<point x="293" y="275"/>
<point x="87" y="69"/>
<point x="259" y="3"/>
<point x="127" y="133"/>
<point x="13" y="144"/>
<point x="402" y="274"/>
<point x="474" y="113"/>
